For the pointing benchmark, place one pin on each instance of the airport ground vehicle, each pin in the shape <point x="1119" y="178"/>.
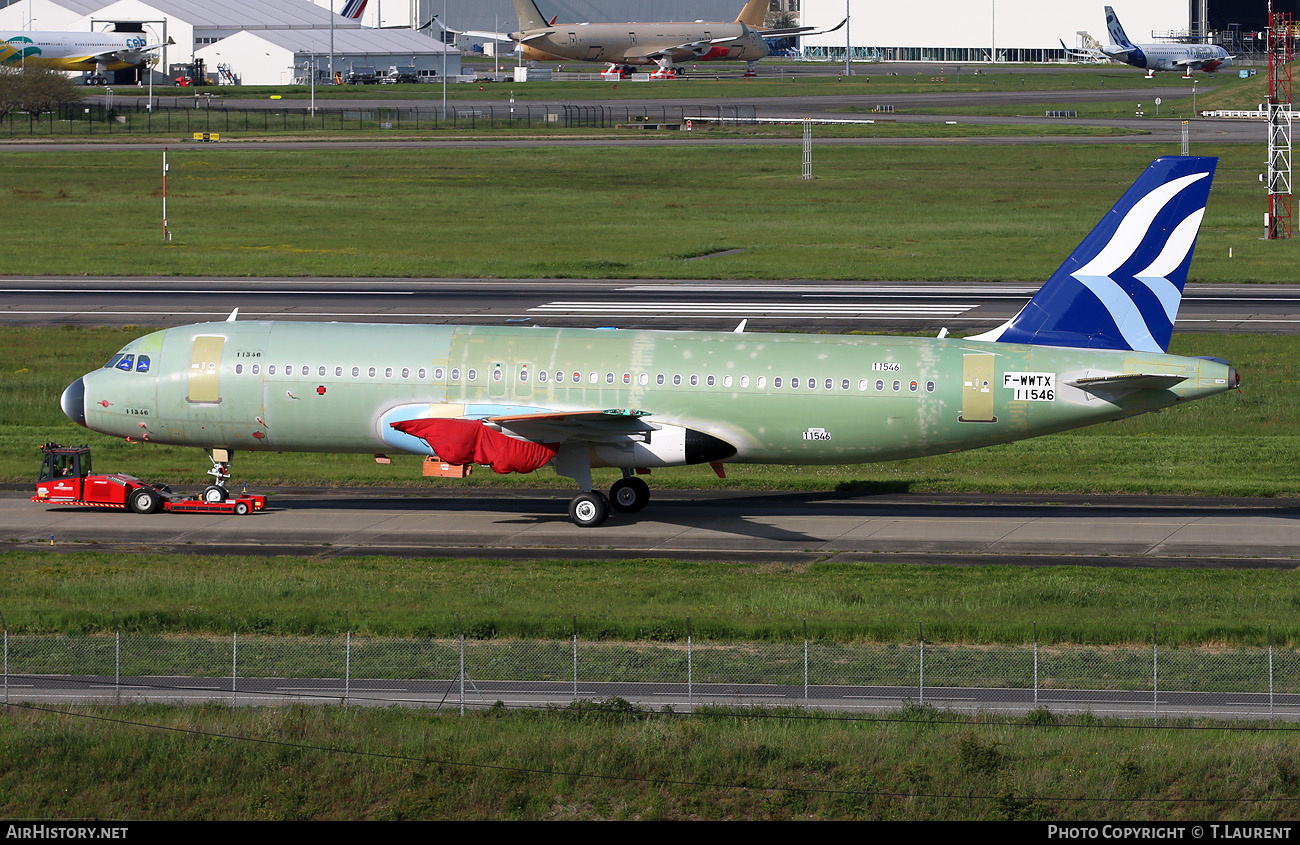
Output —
<point x="66" y="479"/>
<point x="396" y="75"/>
<point x="362" y="76"/>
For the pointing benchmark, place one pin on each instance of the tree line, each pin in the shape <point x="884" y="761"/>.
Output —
<point x="35" y="89"/>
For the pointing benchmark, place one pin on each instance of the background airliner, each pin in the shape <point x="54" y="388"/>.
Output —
<point x="1154" y="57"/>
<point x="1088" y="347"/>
<point x="662" y="44"/>
<point x="95" y="52"/>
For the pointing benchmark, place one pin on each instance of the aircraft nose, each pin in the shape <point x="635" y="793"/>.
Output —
<point x="73" y="402"/>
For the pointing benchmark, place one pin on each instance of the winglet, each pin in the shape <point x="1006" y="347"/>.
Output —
<point x="233" y="315"/>
<point x="1121" y="287"/>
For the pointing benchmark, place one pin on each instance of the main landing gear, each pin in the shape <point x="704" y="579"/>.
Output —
<point x="591" y="507"/>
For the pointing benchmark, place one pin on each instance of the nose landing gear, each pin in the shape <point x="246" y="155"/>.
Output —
<point x="220" y="472"/>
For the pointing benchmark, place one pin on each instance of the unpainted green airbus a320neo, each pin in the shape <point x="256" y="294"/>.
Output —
<point x="1089" y="346"/>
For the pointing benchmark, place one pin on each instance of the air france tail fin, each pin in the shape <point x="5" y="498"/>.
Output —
<point x="353" y="9"/>
<point x="1117" y="36"/>
<point x="1121" y="287"/>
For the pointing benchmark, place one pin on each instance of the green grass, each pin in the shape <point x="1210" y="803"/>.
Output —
<point x="871" y="213"/>
<point x="644" y="599"/>
<point x="609" y="761"/>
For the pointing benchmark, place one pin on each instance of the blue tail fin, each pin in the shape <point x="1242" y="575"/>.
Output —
<point x="1121" y="287"/>
<point x="1116" y="29"/>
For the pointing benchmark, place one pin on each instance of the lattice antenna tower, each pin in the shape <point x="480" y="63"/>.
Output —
<point x="1279" y="222"/>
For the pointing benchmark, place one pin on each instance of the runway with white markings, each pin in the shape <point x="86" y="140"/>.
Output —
<point x="917" y="307"/>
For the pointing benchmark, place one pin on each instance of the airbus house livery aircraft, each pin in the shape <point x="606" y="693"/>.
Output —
<point x="95" y="52"/>
<point x="662" y="44"/>
<point x="1154" y="57"/>
<point x="1089" y="346"/>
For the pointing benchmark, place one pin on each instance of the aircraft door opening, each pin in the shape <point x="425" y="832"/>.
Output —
<point x="205" y="370"/>
<point x="977" y="388"/>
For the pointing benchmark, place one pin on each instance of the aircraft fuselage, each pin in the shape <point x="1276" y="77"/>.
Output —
<point x="73" y="51"/>
<point x="1206" y="57"/>
<point x="769" y="398"/>
<point x="642" y="43"/>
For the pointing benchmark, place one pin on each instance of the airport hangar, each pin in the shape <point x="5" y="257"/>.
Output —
<point x="262" y="42"/>
<point x="943" y="31"/>
<point x="1021" y="30"/>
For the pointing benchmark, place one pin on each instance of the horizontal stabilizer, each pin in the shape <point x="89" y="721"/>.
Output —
<point x="1129" y="381"/>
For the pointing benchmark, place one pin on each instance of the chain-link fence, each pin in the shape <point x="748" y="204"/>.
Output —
<point x="206" y="118"/>
<point x="1147" y="681"/>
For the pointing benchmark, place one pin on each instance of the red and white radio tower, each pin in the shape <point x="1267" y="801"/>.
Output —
<point x="1278" y="223"/>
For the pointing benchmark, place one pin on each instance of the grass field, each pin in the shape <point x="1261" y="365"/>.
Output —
<point x="607" y="761"/>
<point x="871" y="213"/>
<point x="644" y="599"/>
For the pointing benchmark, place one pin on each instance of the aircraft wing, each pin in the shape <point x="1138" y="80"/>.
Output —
<point x="521" y="442"/>
<point x="799" y="30"/>
<point x="1196" y="64"/>
<point x="133" y="56"/>
<point x="1082" y="54"/>
<point x="570" y="425"/>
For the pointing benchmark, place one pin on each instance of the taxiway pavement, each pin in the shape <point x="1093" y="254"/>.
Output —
<point x="728" y="525"/>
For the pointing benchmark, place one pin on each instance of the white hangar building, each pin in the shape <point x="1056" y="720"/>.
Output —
<point x="995" y="30"/>
<point x="196" y="25"/>
<point x="281" y="57"/>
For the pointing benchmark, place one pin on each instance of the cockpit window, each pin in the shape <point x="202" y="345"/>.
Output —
<point x="142" y="364"/>
<point x="114" y="361"/>
<point x="127" y="363"/>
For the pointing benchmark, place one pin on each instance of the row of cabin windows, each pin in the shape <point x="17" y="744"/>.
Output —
<point x="561" y="377"/>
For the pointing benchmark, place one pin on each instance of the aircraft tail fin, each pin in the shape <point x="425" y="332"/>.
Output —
<point x="753" y="13"/>
<point x="1117" y="35"/>
<point x="530" y="17"/>
<point x="353" y="9"/>
<point x="1121" y="287"/>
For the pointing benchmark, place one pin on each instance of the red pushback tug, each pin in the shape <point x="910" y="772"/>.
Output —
<point x="66" y="479"/>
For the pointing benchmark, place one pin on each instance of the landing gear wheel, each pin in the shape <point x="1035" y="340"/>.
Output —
<point x="629" y="495"/>
<point x="215" y="493"/>
<point x="144" y="500"/>
<point x="587" y="510"/>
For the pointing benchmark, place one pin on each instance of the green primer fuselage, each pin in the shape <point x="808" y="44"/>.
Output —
<point x="775" y="398"/>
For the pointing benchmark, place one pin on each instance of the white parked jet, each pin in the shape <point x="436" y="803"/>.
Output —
<point x="1154" y="57"/>
<point x="93" y="52"/>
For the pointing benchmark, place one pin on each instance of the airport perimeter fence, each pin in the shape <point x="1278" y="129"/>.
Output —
<point x="1147" y="682"/>
<point x="100" y="119"/>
